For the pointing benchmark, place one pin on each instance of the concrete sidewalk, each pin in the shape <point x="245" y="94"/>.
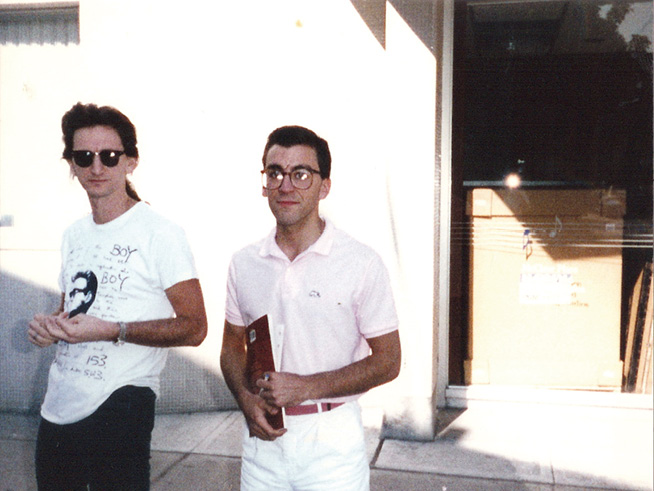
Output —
<point x="491" y="446"/>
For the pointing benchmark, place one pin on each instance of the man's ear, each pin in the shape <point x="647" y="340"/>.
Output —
<point x="325" y="186"/>
<point x="264" y="192"/>
<point x="132" y="164"/>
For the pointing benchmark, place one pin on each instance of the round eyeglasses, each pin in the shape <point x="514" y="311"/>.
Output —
<point x="301" y="177"/>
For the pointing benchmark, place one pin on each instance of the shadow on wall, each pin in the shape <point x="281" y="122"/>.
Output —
<point x="23" y="366"/>
<point x="185" y="386"/>
<point x="419" y="16"/>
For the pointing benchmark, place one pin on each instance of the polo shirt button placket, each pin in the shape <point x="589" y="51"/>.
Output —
<point x="279" y="335"/>
<point x="283" y="291"/>
<point x="290" y="284"/>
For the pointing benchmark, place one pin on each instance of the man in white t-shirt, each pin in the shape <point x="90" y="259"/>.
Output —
<point x="333" y="329"/>
<point x="129" y="290"/>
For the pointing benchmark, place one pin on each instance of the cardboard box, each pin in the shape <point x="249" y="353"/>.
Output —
<point x="545" y="288"/>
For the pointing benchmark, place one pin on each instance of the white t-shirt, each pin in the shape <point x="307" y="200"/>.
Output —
<point x="320" y="307"/>
<point x="117" y="271"/>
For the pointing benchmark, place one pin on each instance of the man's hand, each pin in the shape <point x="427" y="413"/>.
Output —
<point x="81" y="328"/>
<point x="38" y="332"/>
<point x="254" y="409"/>
<point x="232" y="363"/>
<point x="283" y="389"/>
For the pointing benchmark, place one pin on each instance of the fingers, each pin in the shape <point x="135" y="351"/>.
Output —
<point x="38" y="332"/>
<point x="265" y="383"/>
<point x="262" y="429"/>
<point x="39" y="340"/>
<point x="255" y="410"/>
<point x="75" y="330"/>
<point x="44" y="330"/>
<point x="281" y="389"/>
<point x="265" y="388"/>
<point x="55" y="328"/>
<point x="267" y="396"/>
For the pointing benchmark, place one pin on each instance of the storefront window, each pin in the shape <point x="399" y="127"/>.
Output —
<point x="552" y="210"/>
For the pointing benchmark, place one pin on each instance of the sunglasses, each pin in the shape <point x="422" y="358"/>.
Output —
<point x="109" y="158"/>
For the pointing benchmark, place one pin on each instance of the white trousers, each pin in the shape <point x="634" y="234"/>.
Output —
<point x="323" y="451"/>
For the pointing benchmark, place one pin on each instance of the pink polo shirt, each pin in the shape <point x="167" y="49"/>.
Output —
<point x="320" y="307"/>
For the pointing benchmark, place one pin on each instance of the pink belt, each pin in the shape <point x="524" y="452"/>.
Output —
<point x="311" y="408"/>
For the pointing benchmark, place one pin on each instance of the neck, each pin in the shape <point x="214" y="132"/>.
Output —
<point x="109" y="208"/>
<point x="294" y="239"/>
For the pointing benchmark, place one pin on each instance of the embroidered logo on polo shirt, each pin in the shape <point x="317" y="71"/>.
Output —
<point x="314" y="294"/>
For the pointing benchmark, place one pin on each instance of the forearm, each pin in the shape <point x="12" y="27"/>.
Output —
<point x="232" y="363"/>
<point x="178" y="331"/>
<point x="187" y="328"/>
<point x="161" y="333"/>
<point x="381" y="366"/>
<point x="357" y="378"/>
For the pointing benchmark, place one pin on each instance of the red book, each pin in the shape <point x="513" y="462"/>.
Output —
<point x="260" y="360"/>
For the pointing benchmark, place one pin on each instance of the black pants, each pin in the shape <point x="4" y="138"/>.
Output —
<point x="109" y="450"/>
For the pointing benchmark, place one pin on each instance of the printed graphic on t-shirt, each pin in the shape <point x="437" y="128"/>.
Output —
<point x="95" y="277"/>
<point x="82" y="295"/>
<point x="109" y="271"/>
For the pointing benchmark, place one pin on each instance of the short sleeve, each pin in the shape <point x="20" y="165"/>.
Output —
<point x="232" y="311"/>
<point x="375" y="305"/>
<point x="174" y="259"/>
<point x="62" y="251"/>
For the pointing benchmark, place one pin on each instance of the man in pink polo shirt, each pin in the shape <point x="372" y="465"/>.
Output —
<point x="333" y="330"/>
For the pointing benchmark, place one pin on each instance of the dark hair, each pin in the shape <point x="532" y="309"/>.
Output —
<point x="88" y="115"/>
<point x="288" y="136"/>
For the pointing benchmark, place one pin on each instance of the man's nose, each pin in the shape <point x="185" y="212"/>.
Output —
<point x="97" y="166"/>
<point x="287" y="185"/>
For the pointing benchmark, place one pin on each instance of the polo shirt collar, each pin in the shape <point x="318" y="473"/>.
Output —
<point x="321" y="246"/>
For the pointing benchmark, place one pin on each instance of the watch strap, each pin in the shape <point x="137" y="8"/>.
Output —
<point x="120" y="340"/>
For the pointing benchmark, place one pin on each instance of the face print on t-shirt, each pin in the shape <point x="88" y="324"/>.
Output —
<point x="82" y="295"/>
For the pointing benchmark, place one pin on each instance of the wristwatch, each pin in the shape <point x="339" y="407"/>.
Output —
<point x="120" y="340"/>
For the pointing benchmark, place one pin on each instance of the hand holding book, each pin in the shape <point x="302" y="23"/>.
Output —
<point x="260" y="360"/>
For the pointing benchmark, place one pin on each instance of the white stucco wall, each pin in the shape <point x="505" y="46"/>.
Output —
<point x="204" y="83"/>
